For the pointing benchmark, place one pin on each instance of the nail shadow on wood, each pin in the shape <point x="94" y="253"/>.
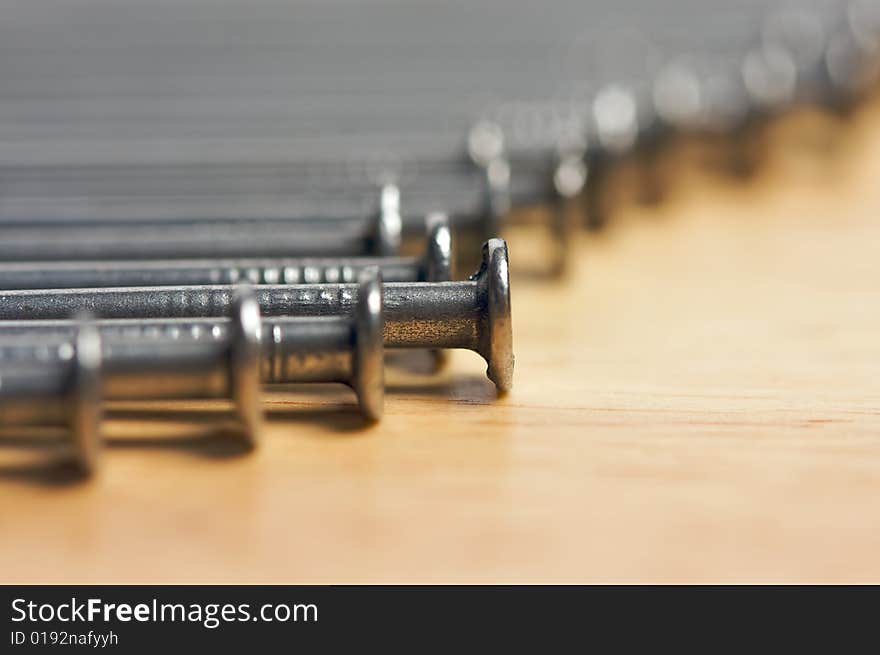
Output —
<point x="333" y="407"/>
<point x="46" y="464"/>
<point x="52" y="473"/>
<point x="344" y="418"/>
<point x="221" y="440"/>
<point x="208" y="433"/>
<point x="420" y="362"/>
<point x="220" y="444"/>
<point x="49" y="468"/>
<point x="31" y="437"/>
<point x="474" y="388"/>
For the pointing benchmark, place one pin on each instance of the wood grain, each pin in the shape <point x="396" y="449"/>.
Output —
<point x="698" y="402"/>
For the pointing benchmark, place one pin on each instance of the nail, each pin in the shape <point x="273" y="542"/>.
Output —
<point x="216" y="238"/>
<point x="64" y="392"/>
<point x="561" y="176"/>
<point x="65" y="383"/>
<point x="473" y="314"/>
<point x="159" y="359"/>
<point x="208" y="358"/>
<point x="435" y="265"/>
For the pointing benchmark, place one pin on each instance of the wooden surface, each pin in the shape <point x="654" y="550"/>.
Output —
<point x="699" y="402"/>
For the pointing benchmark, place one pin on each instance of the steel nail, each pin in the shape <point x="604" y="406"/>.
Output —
<point x="216" y="238"/>
<point x="435" y="265"/>
<point x="65" y="382"/>
<point x="473" y="314"/>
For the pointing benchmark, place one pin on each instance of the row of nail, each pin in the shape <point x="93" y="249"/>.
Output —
<point x="74" y="334"/>
<point x="568" y="150"/>
<point x="97" y="309"/>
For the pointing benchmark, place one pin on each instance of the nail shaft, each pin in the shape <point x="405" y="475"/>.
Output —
<point x="472" y="314"/>
<point x="434" y="265"/>
<point x="217" y="238"/>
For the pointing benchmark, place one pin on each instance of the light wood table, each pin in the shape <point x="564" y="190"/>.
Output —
<point x="700" y="401"/>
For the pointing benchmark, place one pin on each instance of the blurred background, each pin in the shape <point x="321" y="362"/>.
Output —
<point x="214" y="107"/>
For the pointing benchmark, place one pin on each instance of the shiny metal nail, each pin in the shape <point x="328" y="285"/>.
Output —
<point x="50" y="239"/>
<point x="473" y="314"/>
<point x="435" y="265"/>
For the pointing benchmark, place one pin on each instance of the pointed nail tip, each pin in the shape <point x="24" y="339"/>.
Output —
<point x="502" y="392"/>
<point x="503" y="379"/>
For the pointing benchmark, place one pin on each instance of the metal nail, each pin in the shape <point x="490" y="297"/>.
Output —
<point x="64" y="382"/>
<point x="435" y="265"/>
<point x="63" y="392"/>
<point x="561" y="176"/>
<point x="473" y="314"/>
<point x="216" y="238"/>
